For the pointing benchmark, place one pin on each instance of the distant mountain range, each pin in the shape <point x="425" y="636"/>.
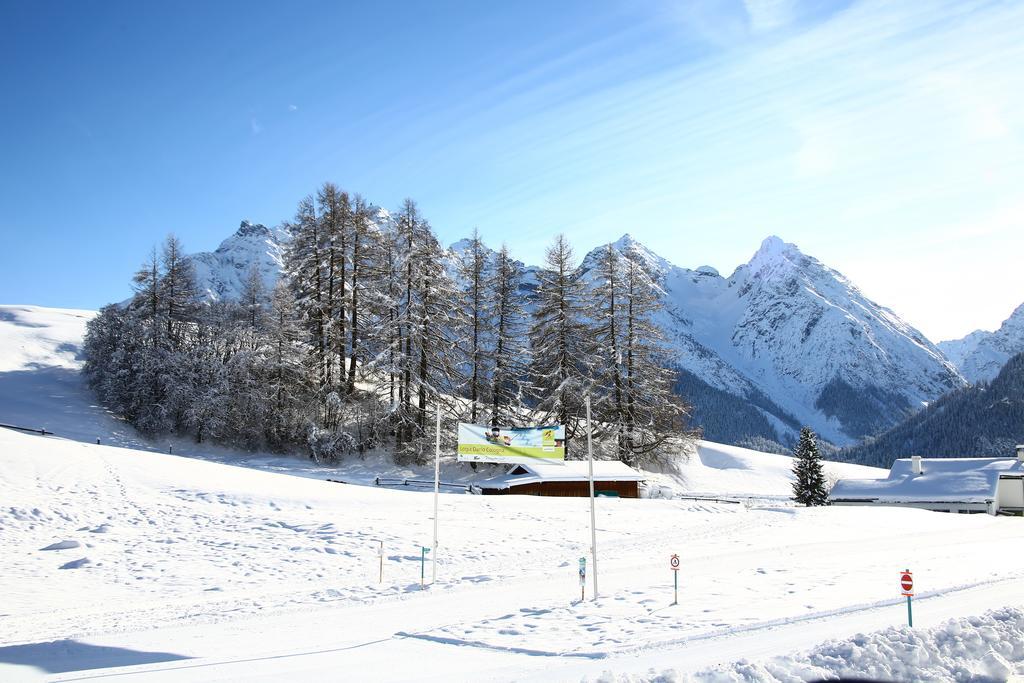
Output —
<point x="981" y="355"/>
<point x="981" y="420"/>
<point x="783" y="341"/>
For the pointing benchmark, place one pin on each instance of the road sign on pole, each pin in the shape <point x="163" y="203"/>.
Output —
<point x="907" y="584"/>
<point x="673" y="562"/>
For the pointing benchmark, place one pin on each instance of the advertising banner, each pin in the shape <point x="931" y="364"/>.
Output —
<point x="511" y="444"/>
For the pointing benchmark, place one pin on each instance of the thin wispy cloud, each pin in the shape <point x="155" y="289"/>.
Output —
<point x="915" y="106"/>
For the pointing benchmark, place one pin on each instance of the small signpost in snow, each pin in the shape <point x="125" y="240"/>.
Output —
<point x="423" y="565"/>
<point x="907" y="584"/>
<point x="674" y="564"/>
<point x="583" y="577"/>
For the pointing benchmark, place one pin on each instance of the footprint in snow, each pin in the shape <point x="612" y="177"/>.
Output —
<point x="63" y="545"/>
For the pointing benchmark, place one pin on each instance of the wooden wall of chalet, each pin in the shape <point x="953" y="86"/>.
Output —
<point x="569" y="489"/>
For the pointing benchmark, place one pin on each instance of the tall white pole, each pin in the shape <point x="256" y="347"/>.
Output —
<point x="437" y="487"/>
<point x="593" y="528"/>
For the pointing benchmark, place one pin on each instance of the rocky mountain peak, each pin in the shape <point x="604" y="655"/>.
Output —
<point x="249" y="229"/>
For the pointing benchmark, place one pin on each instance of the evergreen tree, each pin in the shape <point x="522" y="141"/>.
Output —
<point x="147" y="301"/>
<point x="560" y="367"/>
<point x="304" y="266"/>
<point x="607" y="327"/>
<point x="652" y="413"/>
<point x="286" y="385"/>
<point x="510" y="354"/>
<point x="363" y="253"/>
<point x="474" y="272"/>
<point x="179" y="294"/>
<point x="809" y="487"/>
<point x="253" y="306"/>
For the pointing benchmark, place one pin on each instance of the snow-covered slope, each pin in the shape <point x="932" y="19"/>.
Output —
<point x="800" y="333"/>
<point x="127" y="563"/>
<point x="221" y="273"/>
<point x="714" y="469"/>
<point x="981" y="354"/>
<point x="40" y="383"/>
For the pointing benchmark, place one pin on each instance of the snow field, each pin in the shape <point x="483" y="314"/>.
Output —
<point x="121" y="562"/>
<point x="156" y="549"/>
<point x="983" y="648"/>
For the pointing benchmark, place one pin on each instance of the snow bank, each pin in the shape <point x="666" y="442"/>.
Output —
<point x="716" y="469"/>
<point x="985" y="648"/>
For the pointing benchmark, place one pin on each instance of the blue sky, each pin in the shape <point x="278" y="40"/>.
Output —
<point x="886" y="139"/>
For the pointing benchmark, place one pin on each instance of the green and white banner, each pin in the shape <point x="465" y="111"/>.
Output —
<point x="511" y="444"/>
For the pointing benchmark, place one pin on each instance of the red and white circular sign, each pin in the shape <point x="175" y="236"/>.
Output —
<point x="674" y="562"/>
<point x="906" y="582"/>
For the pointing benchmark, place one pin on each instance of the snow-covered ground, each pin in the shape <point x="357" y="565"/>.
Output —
<point x="126" y="562"/>
<point x="193" y="570"/>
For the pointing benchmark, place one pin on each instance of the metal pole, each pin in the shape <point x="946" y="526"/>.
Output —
<point x="675" y="601"/>
<point x="593" y="528"/>
<point x="437" y="486"/>
<point x="381" y="554"/>
<point x="910" y="613"/>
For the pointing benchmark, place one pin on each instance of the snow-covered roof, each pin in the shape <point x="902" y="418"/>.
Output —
<point x="941" y="479"/>
<point x="568" y="470"/>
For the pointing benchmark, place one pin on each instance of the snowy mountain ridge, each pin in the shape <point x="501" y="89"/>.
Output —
<point x="221" y="273"/>
<point x="801" y="334"/>
<point x="980" y="355"/>
<point x="789" y="337"/>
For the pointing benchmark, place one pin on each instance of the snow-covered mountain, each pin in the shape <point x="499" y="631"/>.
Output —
<point x="784" y="341"/>
<point x="786" y="328"/>
<point x="221" y="273"/>
<point x="980" y="355"/>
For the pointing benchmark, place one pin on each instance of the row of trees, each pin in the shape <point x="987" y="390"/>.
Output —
<point x="372" y="325"/>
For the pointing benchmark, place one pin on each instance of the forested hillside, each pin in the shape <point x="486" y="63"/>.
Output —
<point x="368" y="332"/>
<point x="986" y="419"/>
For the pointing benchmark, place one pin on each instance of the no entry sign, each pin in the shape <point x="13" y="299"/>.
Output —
<point x="907" y="583"/>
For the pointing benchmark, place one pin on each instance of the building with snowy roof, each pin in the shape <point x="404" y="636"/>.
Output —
<point x="569" y="478"/>
<point x="965" y="485"/>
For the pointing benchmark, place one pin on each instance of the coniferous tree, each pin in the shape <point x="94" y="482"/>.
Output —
<point x="652" y="413"/>
<point x="474" y="271"/>
<point x="147" y="301"/>
<point x="510" y="354"/>
<point x="606" y="335"/>
<point x="809" y="487"/>
<point x="286" y="383"/>
<point x="304" y="265"/>
<point x="435" y="322"/>
<point x="363" y="253"/>
<point x="560" y="367"/>
<point x="253" y="306"/>
<point x="335" y="213"/>
<point x="178" y="291"/>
